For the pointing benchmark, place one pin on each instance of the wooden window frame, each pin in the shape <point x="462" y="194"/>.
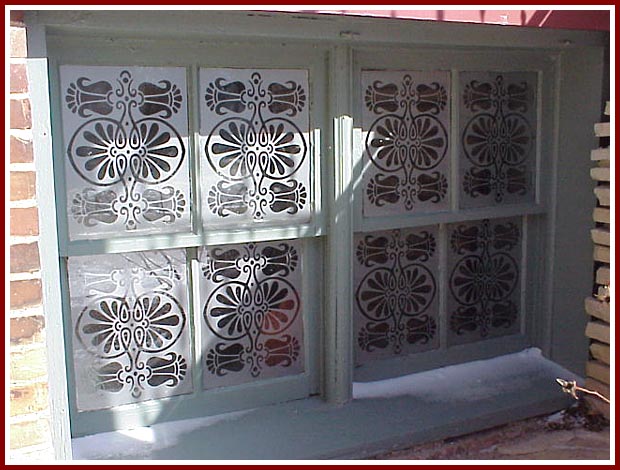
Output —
<point x="577" y="59"/>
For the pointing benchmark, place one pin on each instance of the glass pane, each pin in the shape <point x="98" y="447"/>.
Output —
<point x="406" y="123"/>
<point x="484" y="261"/>
<point x="252" y="324"/>
<point x="131" y="339"/>
<point x="395" y="278"/>
<point x="125" y="134"/>
<point x="256" y="149"/>
<point x="497" y="117"/>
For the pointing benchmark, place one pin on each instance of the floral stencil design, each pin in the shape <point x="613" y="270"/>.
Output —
<point x="252" y="312"/>
<point x="484" y="279"/>
<point x="395" y="296"/>
<point x="498" y="135"/>
<point x="255" y="138"/>
<point x="126" y="148"/>
<point x="130" y="325"/>
<point x="407" y="122"/>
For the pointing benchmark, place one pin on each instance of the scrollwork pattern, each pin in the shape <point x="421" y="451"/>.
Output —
<point x="255" y="128"/>
<point x="406" y="119"/>
<point x="130" y="318"/>
<point x="484" y="279"/>
<point x="126" y="150"/>
<point x="498" y="137"/>
<point x="251" y="312"/>
<point x="395" y="293"/>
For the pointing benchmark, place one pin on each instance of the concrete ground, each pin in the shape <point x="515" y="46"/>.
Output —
<point x="572" y="434"/>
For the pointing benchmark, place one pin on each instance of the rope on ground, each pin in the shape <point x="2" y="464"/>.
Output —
<point x="571" y="387"/>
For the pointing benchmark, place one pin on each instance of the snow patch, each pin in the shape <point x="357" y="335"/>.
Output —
<point x="470" y="381"/>
<point x="140" y="442"/>
<point x="555" y="418"/>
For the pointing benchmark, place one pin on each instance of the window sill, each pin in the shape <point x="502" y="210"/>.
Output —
<point x="389" y="414"/>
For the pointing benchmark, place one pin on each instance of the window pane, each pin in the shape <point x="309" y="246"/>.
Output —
<point x="498" y="129"/>
<point x="252" y="313"/>
<point x="125" y="131"/>
<point x="406" y="123"/>
<point x="255" y="141"/>
<point x="131" y="339"/>
<point x="484" y="262"/>
<point x="396" y="300"/>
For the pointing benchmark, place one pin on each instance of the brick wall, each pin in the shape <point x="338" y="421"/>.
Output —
<point x="29" y="410"/>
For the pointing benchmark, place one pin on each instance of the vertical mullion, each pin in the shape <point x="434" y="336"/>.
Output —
<point x="454" y="140"/>
<point x="193" y="289"/>
<point x="337" y="358"/>
<point x="537" y="186"/>
<point x="443" y="286"/>
<point x="311" y="289"/>
<point x="316" y="81"/>
<point x="524" y="272"/>
<point x="444" y="320"/>
<point x="193" y="111"/>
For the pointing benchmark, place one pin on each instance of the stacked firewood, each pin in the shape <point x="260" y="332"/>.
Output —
<point x="597" y="306"/>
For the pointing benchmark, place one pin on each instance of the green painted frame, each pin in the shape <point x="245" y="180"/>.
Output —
<point x="454" y="61"/>
<point x="79" y="50"/>
<point x="559" y="281"/>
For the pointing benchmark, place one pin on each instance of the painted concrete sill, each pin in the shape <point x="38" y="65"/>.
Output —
<point x="384" y="415"/>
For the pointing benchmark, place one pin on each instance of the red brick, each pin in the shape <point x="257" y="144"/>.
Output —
<point x="28" y="364"/>
<point x="21" y="150"/>
<point x="27" y="330"/>
<point x="19" y="78"/>
<point x="25" y="293"/>
<point x="31" y="398"/>
<point x="29" y="433"/>
<point x="18" y="42"/>
<point x="25" y="258"/>
<point x="22" y="185"/>
<point x="20" y="114"/>
<point x="24" y="221"/>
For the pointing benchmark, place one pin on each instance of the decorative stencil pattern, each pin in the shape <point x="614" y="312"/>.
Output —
<point x="406" y="120"/>
<point x="255" y="139"/>
<point x="484" y="265"/>
<point x="252" y="313"/>
<point x="396" y="307"/>
<point x="125" y="133"/>
<point x="130" y="327"/>
<point x="498" y="129"/>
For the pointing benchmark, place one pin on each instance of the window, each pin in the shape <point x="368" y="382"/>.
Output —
<point x="255" y="135"/>
<point x="130" y="316"/>
<point x="190" y="205"/>
<point x="193" y="197"/>
<point x="446" y="158"/>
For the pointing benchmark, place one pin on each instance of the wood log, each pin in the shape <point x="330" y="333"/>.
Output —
<point x="597" y="309"/>
<point x="601" y="129"/>
<point x="598" y="330"/>
<point x="600" y="352"/>
<point x="602" y="194"/>
<point x="596" y="404"/>
<point x="601" y="215"/>
<point x="603" y="276"/>
<point x="597" y="370"/>
<point x="601" y="253"/>
<point x="600" y="174"/>
<point x="600" y="236"/>
<point x="601" y="153"/>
